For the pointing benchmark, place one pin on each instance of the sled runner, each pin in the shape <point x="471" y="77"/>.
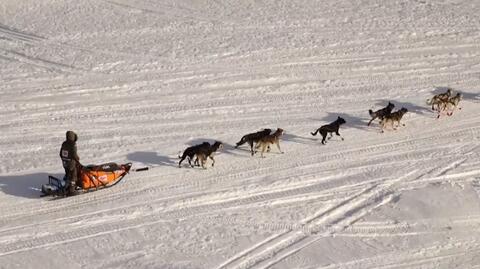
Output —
<point x="91" y="178"/>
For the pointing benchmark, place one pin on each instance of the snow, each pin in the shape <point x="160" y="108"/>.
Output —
<point x="139" y="81"/>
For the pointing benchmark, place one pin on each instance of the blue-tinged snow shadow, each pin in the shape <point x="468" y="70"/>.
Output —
<point x="151" y="158"/>
<point x="26" y="186"/>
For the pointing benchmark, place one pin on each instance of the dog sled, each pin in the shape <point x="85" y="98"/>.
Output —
<point x="90" y="178"/>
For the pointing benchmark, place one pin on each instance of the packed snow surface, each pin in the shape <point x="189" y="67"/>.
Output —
<point x="141" y="80"/>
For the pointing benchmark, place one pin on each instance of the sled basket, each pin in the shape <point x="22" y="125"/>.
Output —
<point x="101" y="176"/>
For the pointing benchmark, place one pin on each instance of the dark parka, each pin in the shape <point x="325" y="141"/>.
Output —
<point x="68" y="154"/>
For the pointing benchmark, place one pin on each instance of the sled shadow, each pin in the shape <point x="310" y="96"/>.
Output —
<point x="151" y="158"/>
<point x="227" y="148"/>
<point x="26" y="186"/>
<point x="412" y="108"/>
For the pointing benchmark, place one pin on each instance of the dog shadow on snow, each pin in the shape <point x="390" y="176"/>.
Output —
<point x="151" y="158"/>
<point x="351" y="121"/>
<point x="468" y="96"/>
<point x="26" y="186"/>
<point x="307" y="140"/>
<point x="412" y="108"/>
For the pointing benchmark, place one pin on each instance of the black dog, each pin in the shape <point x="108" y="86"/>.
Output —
<point x="190" y="153"/>
<point x="381" y="113"/>
<point x="253" y="138"/>
<point x="330" y="128"/>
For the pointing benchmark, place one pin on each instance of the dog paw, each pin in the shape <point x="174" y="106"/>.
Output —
<point x="343" y="139"/>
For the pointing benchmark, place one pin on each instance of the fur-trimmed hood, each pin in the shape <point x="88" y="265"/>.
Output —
<point x="71" y="136"/>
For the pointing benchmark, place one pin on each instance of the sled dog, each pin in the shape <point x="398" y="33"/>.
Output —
<point x="380" y="113"/>
<point x="451" y="104"/>
<point x="267" y="140"/>
<point x="393" y="118"/>
<point x="438" y="99"/>
<point x="205" y="152"/>
<point x="253" y="138"/>
<point x="190" y="153"/>
<point x="330" y="128"/>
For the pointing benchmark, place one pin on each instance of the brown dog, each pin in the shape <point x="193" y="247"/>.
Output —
<point x="265" y="141"/>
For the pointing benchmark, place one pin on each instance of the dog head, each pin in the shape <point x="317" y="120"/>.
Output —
<point x="279" y="132"/>
<point x="341" y="120"/>
<point x="390" y="106"/>
<point x="403" y="110"/>
<point x="449" y="92"/>
<point x="217" y="145"/>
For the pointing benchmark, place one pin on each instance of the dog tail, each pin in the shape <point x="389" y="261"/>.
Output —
<point x="370" y="112"/>
<point x="180" y="154"/>
<point x="316" y="132"/>
<point x="241" y="142"/>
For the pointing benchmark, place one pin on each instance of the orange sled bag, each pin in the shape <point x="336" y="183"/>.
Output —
<point x="100" y="176"/>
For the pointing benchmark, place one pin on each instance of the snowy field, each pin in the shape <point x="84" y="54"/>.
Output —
<point x="141" y="80"/>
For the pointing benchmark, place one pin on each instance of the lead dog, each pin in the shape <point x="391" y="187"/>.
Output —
<point x="450" y="105"/>
<point x="439" y="99"/>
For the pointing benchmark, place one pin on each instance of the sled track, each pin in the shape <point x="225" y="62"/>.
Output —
<point x="132" y="185"/>
<point x="334" y="220"/>
<point x="72" y="205"/>
<point x="360" y="198"/>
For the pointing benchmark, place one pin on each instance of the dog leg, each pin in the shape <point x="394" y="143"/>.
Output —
<point x="370" y="121"/>
<point x="263" y="150"/>
<point x="213" y="160"/>
<point x="278" y="146"/>
<point x="251" y="147"/>
<point x="323" y="139"/>
<point x="190" y="162"/>
<point x="203" y="161"/>
<point x="337" y="133"/>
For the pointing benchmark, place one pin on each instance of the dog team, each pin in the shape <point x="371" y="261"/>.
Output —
<point x="261" y="140"/>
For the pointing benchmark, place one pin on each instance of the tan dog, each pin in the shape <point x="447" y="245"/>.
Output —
<point x="451" y="104"/>
<point x="439" y="99"/>
<point x="393" y="118"/>
<point x="208" y="151"/>
<point x="265" y="141"/>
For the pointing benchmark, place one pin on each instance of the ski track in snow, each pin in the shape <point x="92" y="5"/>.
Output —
<point x="140" y="81"/>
